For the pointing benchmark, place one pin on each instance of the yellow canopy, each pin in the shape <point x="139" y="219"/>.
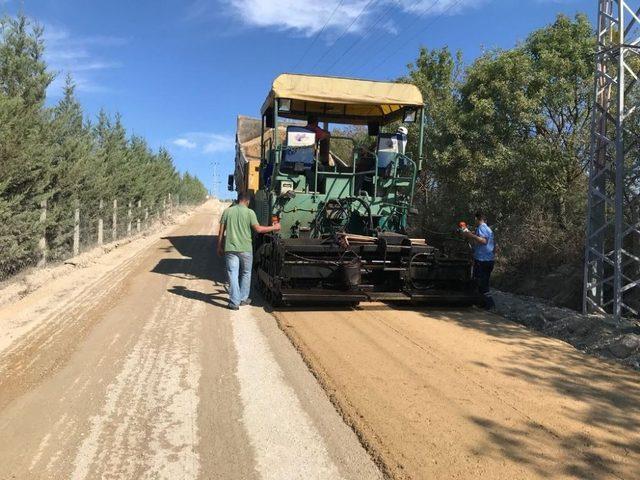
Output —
<point x="342" y="99"/>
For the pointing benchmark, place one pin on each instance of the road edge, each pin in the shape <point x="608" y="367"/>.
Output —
<point x="338" y="402"/>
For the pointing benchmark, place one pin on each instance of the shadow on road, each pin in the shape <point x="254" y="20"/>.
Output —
<point x="201" y="260"/>
<point x="604" y="397"/>
<point x="218" y="299"/>
<point x="202" y="263"/>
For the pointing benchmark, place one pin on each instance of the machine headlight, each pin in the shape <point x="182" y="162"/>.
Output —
<point x="410" y="116"/>
<point x="284" y="105"/>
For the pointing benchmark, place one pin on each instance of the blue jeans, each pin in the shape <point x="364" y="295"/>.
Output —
<point x="239" y="265"/>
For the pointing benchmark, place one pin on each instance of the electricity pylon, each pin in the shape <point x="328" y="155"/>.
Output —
<point x="612" y="254"/>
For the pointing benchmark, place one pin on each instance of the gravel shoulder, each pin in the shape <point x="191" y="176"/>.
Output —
<point x="598" y="335"/>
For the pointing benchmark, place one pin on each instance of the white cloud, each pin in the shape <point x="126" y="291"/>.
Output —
<point x="185" y="143"/>
<point x="207" y="142"/>
<point x="307" y="18"/>
<point x="219" y="143"/>
<point x="66" y="53"/>
<point x="82" y="84"/>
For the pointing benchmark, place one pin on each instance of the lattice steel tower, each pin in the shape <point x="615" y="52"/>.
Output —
<point x="612" y="256"/>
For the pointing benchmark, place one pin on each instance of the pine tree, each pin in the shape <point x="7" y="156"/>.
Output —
<point x="55" y="155"/>
<point x="73" y="182"/>
<point x="25" y="156"/>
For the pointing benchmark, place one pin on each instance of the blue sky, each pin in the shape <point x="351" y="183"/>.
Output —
<point x="179" y="71"/>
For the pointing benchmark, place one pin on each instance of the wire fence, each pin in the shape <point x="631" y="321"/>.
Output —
<point x="69" y="228"/>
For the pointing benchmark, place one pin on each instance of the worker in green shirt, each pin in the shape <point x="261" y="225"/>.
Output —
<point x="235" y="242"/>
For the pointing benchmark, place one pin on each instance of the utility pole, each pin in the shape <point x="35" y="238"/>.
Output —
<point x="214" y="191"/>
<point x="215" y="179"/>
<point x="612" y="251"/>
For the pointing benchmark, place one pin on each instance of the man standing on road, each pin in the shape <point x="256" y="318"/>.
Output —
<point x="235" y="241"/>
<point x="483" y="257"/>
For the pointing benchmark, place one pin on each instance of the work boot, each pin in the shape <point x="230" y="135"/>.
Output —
<point x="231" y="306"/>
<point x="245" y="302"/>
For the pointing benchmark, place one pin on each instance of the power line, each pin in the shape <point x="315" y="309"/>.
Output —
<point x="444" y="12"/>
<point x="359" y="39"/>
<point x="317" y="35"/>
<point x="343" y="33"/>
<point x="417" y="18"/>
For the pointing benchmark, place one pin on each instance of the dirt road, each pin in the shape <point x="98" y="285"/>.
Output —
<point x="131" y="369"/>
<point x="467" y="395"/>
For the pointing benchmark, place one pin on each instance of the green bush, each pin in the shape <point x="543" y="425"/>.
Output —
<point x="509" y="134"/>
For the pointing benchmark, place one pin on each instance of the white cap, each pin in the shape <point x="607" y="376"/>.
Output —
<point x="403" y="130"/>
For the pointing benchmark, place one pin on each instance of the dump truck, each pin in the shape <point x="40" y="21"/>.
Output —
<point x="343" y="207"/>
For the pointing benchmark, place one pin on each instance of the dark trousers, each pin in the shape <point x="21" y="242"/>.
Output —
<point x="482" y="276"/>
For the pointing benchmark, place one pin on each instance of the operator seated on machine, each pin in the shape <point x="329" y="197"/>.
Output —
<point x="389" y="146"/>
<point x="322" y="139"/>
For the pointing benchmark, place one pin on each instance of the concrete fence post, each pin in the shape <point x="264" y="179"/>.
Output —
<point x="100" y="223"/>
<point x="42" y="243"/>
<point x="76" y="230"/>
<point x="146" y="217"/>
<point x="138" y="215"/>
<point x="129" y="217"/>
<point x="114" y="223"/>
<point x="164" y="208"/>
<point x="170" y="205"/>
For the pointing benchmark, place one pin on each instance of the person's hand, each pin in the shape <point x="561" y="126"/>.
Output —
<point x="467" y="234"/>
<point x="276" y="227"/>
<point x="220" y="250"/>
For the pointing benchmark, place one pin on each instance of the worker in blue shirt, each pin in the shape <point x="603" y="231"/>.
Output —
<point x="483" y="257"/>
